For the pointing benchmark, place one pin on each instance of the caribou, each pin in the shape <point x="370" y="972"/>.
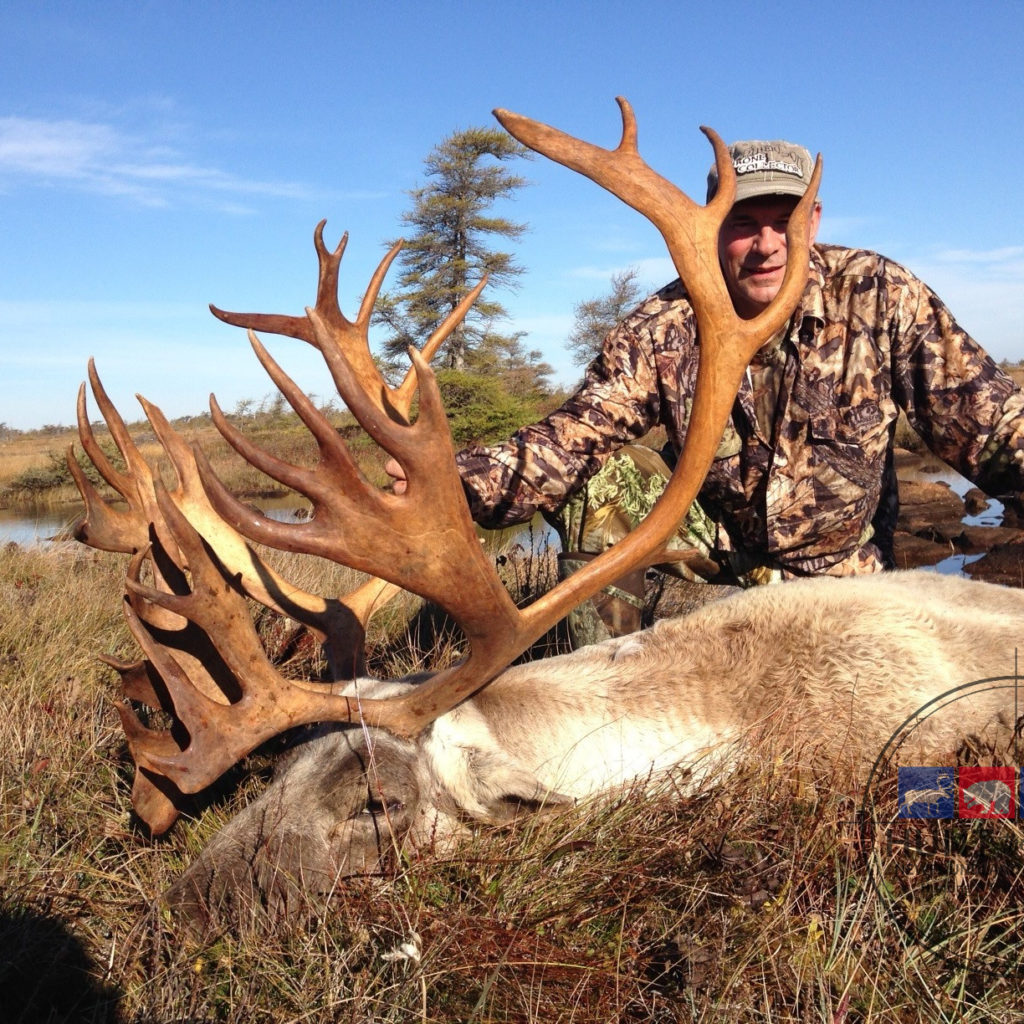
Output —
<point x="825" y="669"/>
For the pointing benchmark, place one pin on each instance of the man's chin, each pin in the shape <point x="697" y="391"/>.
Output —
<point x="754" y="300"/>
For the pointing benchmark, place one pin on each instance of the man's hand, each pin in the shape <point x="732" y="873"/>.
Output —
<point x="393" y="469"/>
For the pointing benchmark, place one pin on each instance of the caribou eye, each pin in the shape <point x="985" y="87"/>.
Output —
<point x="379" y="806"/>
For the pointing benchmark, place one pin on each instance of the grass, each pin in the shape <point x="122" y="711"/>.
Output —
<point x="33" y="471"/>
<point x="745" y="903"/>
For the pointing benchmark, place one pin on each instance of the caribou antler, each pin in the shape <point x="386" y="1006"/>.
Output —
<point x="339" y="623"/>
<point x="417" y="539"/>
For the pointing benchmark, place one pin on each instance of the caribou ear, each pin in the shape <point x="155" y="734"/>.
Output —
<point x="501" y="789"/>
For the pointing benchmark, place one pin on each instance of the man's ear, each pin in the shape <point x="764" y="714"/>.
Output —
<point x="502" y="789"/>
<point x="815" y="222"/>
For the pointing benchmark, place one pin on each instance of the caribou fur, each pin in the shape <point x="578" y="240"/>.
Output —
<point x="822" y="669"/>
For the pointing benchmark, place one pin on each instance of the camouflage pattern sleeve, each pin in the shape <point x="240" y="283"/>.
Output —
<point x="967" y="410"/>
<point x="544" y="464"/>
<point x="802" y="482"/>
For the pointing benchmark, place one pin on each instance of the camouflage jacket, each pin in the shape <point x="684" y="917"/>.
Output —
<point x="808" y="488"/>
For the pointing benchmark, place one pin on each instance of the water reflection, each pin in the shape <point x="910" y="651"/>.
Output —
<point x="930" y="469"/>
<point x="36" y="525"/>
<point x="40" y="525"/>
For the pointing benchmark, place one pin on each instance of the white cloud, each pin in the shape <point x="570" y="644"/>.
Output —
<point x="53" y="149"/>
<point x="98" y="157"/>
<point x="654" y="271"/>
<point x="984" y="288"/>
<point x="1007" y="255"/>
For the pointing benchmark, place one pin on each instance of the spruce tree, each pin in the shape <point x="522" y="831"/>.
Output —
<point x="594" y="318"/>
<point x="447" y="250"/>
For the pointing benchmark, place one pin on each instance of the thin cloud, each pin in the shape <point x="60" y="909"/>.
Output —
<point x="98" y="157"/>
<point x="1013" y="254"/>
<point x="984" y="289"/>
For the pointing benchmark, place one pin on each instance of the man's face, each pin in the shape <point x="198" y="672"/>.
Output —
<point x="752" y="250"/>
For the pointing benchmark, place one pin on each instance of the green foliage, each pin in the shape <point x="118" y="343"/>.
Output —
<point x="36" y="481"/>
<point x="448" y="250"/>
<point x="479" y="408"/>
<point x="522" y="372"/>
<point x="594" y="318"/>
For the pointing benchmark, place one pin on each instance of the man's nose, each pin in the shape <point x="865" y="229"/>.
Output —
<point x="768" y="240"/>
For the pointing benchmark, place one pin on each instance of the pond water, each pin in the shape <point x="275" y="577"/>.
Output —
<point x="40" y="525"/>
<point x="929" y="469"/>
<point x="28" y="526"/>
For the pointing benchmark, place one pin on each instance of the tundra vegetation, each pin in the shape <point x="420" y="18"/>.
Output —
<point x="745" y="902"/>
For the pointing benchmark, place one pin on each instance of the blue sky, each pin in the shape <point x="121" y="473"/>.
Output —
<point x="156" y="157"/>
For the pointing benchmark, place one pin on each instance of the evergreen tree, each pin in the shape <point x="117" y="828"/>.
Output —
<point x="522" y="372"/>
<point x="447" y="251"/>
<point x="596" y="317"/>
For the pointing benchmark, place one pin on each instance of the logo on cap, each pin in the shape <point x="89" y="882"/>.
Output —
<point x="762" y="162"/>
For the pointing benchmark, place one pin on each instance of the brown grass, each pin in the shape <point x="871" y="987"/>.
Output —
<point x="281" y="436"/>
<point x="747" y="902"/>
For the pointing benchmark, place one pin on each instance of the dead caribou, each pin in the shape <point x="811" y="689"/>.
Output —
<point x="407" y="763"/>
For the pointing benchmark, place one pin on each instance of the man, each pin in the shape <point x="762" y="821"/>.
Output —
<point x="803" y="482"/>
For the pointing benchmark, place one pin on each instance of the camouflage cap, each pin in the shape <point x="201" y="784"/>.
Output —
<point x="775" y="168"/>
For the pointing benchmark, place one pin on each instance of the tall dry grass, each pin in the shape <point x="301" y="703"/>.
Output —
<point x="31" y="465"/>
<point x="745" y="903"/>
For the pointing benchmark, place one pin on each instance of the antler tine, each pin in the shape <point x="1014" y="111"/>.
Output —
<point x="155" y="798"/>
<point x="103" y="526"/>
<point x="157" y="801"/>
<point x="402" y="395"/>
<point x="121" y="482"/>
<point x="106" y="526"/>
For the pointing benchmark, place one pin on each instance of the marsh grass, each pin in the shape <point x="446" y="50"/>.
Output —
<point x="32" y="465"/>
<point x="747" y="902"/>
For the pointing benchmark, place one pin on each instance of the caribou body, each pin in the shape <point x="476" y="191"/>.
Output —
<point x="821" y="672"/>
